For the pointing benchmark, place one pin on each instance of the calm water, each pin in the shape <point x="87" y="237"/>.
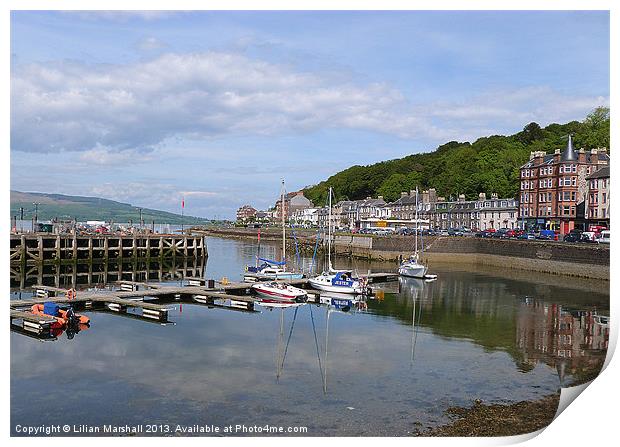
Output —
<point x="387" y="370"/>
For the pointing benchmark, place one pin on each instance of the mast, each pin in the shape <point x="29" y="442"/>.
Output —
<point x="417" y="222"/>
<point x="283" y="227"/>
<point x="329" y="232"/>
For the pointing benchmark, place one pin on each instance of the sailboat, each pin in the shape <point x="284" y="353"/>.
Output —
<point x="274" y="269"/>
<point x="412" y="267"/>
<point x="332" y="280"/>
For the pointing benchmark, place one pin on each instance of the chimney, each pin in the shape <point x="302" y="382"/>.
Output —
<point x="538" y="157"/>
<point x="494" y="195"/>
<point x="380" y="197"/>
<point x="556" y="156"/>
<point x="532" y="155"/>
<point x="582" y="155"/>
<point x="425" y="197"/>
<point x="482" y="196"/>
<point x="404" y="194"/>
<point x="368" y="198"/>
<point x="593" y="156"/>
<point x="461" y="197"/>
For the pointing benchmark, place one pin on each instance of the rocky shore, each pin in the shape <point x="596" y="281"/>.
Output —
<point x="498" y="419"/>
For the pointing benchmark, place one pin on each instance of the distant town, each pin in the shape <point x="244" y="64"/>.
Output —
<point x="564" y="193"/>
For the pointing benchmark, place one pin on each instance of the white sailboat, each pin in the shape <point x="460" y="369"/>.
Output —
<point x="273" y="269"/>
<point x="332" y="280"/>
<point x="412" y="267"/>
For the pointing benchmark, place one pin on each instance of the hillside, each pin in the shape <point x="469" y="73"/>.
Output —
<point x="89" y="208"/>
<point x="490" y="164"/>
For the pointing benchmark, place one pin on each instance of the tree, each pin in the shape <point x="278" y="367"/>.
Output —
<point x="530" y="133"/>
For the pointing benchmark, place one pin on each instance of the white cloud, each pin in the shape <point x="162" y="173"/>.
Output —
<point x="69" y="106"/>
<point x="73" y="106"/>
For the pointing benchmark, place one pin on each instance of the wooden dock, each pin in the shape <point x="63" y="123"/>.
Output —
<point x="147" y="301"/>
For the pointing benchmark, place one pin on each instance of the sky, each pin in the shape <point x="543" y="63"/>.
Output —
<point x="147" y="107"/>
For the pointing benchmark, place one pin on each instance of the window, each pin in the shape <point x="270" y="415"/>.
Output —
<point x="566" y="210"/>
<point x="560" y="181"/>
<point x="573" y="196"/>
<point x="604" y="198"/>
<point x="574" y="181"/>
<point x="574" y="168"/>
<point x="548" y="197"/>
<point x="548" y="211"/>
<point x="561" y="169"/>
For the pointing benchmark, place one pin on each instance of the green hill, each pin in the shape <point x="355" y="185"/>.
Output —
<point x="490" y="164"/>
<point x="89" y="208"/>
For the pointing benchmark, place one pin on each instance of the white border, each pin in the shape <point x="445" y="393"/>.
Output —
<point x="590" y="419"/>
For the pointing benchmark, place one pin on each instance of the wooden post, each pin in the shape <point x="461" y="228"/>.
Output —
<point x="106" y="248"/>
<point x="40" y="247"/>
<point x="74" y="250"/>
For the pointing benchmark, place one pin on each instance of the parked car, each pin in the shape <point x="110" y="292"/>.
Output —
<point x="604" y="239"/>
<point x="573" y="236"/>
<point x="444" y="233"/>
<point x="502" y="233"/>
<point x="589" y="236"/>
<point x="489" y="232"/>
<point x="547" y="234"/>
<point x="527" y="236"/>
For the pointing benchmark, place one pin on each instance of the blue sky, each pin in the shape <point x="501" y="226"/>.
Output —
<point x="147" y="107"/>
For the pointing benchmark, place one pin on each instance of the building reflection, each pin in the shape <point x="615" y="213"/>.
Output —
<point x="571" y="340"/>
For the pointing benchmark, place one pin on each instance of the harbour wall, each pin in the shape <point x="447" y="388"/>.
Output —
<point x="570" y="259"/>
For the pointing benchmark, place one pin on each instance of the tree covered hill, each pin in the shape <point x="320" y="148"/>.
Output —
<point x="89" y="208"/>
<point x="490" y="164"/>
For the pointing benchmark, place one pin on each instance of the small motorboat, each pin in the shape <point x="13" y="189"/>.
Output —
<point x="63" y="317"/>
<point x="280" y="292"/>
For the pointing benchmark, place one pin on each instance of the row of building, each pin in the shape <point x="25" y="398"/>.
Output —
<point x="559" y="191"/>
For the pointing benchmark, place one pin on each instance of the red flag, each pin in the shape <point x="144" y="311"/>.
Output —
<point x="259" y="235"/>
<point x="183" y="203"/>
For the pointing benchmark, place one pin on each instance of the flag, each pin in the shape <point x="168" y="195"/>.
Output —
<point x="183" y="203"/>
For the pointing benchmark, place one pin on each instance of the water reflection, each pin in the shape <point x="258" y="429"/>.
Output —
<point x="87" y="275"/>
<point x="357" y="367"/>
<point x="573" y="341"/>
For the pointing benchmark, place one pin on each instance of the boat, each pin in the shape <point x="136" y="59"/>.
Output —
<point x="412" y="267"/>
<point x="338" y="281"/>
<point x="269" y="268"/>
<point x="272" y="270"/>
<point x="64" y="317"/>
<point x="280" y="292"/>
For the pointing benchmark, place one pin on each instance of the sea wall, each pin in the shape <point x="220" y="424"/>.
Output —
<point x="580" y="260"/>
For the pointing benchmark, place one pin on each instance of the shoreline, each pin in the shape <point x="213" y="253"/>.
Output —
<point x="497" y="419"/>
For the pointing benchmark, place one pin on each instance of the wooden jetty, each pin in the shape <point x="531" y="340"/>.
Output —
<point x="137" y="299"/>
<point x="46" y="248"/>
